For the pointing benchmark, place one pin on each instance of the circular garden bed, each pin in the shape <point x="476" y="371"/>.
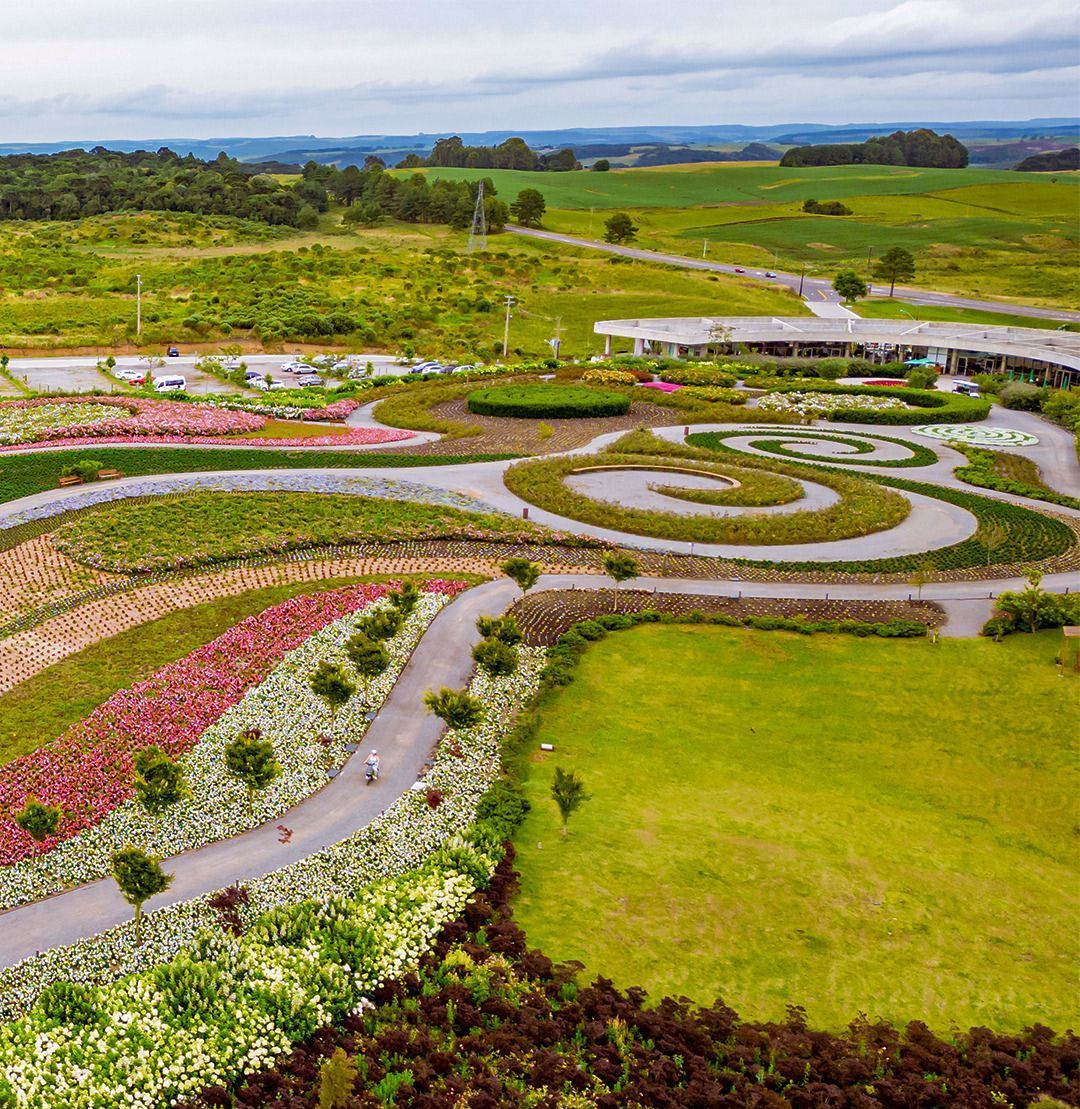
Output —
<point x="548" y="402"/>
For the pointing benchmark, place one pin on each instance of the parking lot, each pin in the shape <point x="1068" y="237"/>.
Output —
<point x="66" y="374"/>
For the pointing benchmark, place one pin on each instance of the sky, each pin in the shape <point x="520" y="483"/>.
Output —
<point x="101" y="69"/>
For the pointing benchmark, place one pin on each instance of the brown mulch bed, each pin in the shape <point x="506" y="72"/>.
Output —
<point x="544" y="616"/>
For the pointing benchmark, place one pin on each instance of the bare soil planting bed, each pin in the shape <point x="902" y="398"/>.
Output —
<point x="544" y="616"/>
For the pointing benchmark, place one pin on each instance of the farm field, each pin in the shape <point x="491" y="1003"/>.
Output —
<point x="405" y="288"/>
<point x="993" y="233"/>
<point x="774" y="848"/>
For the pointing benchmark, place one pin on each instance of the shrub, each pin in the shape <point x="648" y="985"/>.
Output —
<point x="383" y="623"/>
<point x="609" y="377"/>
<point x="947" y="407"/>
<point x="504" y="808"/>
<point x="697" y="375"/>
<point x="367" y="656"/>
<point x="921" y="377"/>
<point x="832" y="368"/>
<point x="714" y="394"/>
<point x="547" y="402"/>
<point x="504" y="628"/>
<point x="86" y="468"/>
<point x="495" y="657"/>
<point x="1022" y="397"/>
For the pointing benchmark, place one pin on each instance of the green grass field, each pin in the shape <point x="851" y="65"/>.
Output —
<point x="407" y="287"/>
<point x="886" y="309"/>
<point x="993" y="233"/>
<point x="844" y="824"/>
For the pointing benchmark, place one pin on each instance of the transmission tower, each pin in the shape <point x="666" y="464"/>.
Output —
<point x="478" y="231"/>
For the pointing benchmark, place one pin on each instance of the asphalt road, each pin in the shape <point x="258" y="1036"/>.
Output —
<point x="815" y="291"/>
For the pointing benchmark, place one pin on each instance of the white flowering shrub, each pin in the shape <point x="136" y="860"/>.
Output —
<point x="194" y="1005"/>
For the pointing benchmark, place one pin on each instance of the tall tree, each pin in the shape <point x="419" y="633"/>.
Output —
<point x="139" y="877"/>
<point x="619" y="566"/>
<point x="332" y="684"/>
<point x="159" y="781"/>
<point x="521" y="570"/>
<point x="250" y="759"/>
<point x="620" y="228"/>
<point x="896" y="264"/>
<point x="849" y="285"/>
<point x="529" y="208"/>
<point x="568" y="791"/>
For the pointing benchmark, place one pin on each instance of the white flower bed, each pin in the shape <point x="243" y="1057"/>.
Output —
<point x="817" y="404"/>
<point x="287" y="712"/>
<point x="396" y="842"/>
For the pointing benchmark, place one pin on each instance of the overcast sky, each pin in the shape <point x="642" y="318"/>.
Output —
<point x="109" y="69"/>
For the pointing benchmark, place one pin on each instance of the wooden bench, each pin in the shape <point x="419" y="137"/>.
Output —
<point x="104" y="475"/>
<point x="71" y="479"/>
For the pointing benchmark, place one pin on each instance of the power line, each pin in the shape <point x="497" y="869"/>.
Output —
<point x="478" y="231"/>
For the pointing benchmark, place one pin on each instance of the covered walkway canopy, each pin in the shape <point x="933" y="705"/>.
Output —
<point x="1052" y="357"/>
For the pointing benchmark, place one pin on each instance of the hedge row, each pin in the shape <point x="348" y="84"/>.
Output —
<point x="948" y="408"/>
<point x="920" y="455"/>
<point x="548" y="402"/>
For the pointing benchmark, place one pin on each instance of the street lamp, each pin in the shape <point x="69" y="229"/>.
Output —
<point x="909" y="315"/>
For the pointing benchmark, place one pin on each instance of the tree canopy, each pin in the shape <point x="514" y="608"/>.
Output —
<point x="921" y="147"/>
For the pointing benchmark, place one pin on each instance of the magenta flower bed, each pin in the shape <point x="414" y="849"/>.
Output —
<point x="88" y="770"/>
<point x="339" y="410"/>
<point x="885" y="381"/>
<point x="356" y="437"/>
<point x="663" y="386"/>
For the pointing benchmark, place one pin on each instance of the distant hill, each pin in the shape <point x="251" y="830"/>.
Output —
<point x="352" y="150"/>
<point x="1055" y="160"/>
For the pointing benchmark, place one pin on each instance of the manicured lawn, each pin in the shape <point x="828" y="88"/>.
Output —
<point x="844" y="824"/>
<point x="200" y="528"/>
<point x="38" y="710"/>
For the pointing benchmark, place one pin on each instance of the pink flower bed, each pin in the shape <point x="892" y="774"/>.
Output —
<point x="663" y="386"/>
<point x="140" y="416"/>
<point x="88" y="770"/>
<point x="355" y="437"/>
<point x="885" y="381"/>
<point x="339" y="410"/>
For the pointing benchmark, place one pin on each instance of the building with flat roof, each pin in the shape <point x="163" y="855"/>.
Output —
<point x="1046" y="357"/>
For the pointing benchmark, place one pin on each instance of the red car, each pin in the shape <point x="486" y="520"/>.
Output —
<point x="739" y="269"/>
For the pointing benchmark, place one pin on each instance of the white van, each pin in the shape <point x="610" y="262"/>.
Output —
<point x="170" y="383"/>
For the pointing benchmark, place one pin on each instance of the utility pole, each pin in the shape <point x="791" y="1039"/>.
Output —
<point x="506" y="327"/>
<point x="704" y="247"/>
<point x="557" y="341"/>
<point x="802" y="278"/>
<point x="138" y="304"/>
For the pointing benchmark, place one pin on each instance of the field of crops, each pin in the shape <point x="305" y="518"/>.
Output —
<point x="992" y="233"/>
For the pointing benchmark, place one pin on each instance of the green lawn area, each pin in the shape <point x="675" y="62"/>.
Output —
<point x="201" y="528"/>
<point x="844" y="824"/>
<point x="41" y="708"/>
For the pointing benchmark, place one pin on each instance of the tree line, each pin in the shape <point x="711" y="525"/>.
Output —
<point x="513" y="153"/>
<point x="902" y="148"/>
<point x="78" y="183"/>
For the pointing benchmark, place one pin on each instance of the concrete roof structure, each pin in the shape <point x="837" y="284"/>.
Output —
<point x="695" y="333"/>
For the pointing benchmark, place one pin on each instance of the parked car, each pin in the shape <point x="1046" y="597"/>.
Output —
<point x="342" y="367"/>
<point x="170" y="383"/>
<point x="125" y="373"/>
<point x="265" y="385"/>
<point x="308" y="380"/>
<point x="173" y="352"/>
<point x="296" y="367"/>
<point x="426" y="368"/>
<point x="252" y="374"/>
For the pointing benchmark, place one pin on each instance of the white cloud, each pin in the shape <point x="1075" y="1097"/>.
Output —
<point x="110" y="69"/>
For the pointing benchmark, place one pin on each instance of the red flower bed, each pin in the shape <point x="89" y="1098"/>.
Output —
<point x="88" y="770"/>
<point x="885" y="381"/>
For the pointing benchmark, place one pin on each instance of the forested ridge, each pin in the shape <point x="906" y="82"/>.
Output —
<point x="78" y="183"/>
